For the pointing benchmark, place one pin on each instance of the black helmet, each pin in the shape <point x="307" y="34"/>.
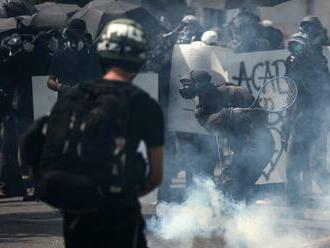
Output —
<point x="194" y="82"/>
<point x="189" y="20"/>
<point x="75" y="31"/>
<point x="123" y="41"/>
<point x="311" y="25"/>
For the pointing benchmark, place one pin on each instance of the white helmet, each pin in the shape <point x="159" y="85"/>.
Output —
<point x="190" y="20"/>
<point x="267" y="23"/>
<point x="210" y="38"/>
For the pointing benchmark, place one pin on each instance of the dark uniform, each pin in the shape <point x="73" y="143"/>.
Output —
<point x="76" y="61"/>
<point x="246" y="132"/>
<point x="306" y="120"/>
<point x="16" y="117"/>
<point x="247" y="33"/>
<point x="71" y="66"/>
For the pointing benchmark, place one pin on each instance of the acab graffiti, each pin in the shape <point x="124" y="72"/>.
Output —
<point x="260" y="74"/>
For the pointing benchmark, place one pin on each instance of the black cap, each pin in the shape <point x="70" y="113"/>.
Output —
<point x="313" y="23"/>
<point x="197" y="76"/>
<point x="77" y="25"/>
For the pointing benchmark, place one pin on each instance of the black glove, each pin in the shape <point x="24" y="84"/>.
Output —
<point x="240" y="114"/>
<point x="63" y="88"/>
<point x="219" y="120"/>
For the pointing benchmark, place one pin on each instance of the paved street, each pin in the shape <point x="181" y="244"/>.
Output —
<point x="25" y="225"/>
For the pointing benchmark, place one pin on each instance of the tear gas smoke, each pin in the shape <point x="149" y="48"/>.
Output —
<point x="188" y="2"/>
<point x="201" y="214"/>
<point x="207" y="214"/>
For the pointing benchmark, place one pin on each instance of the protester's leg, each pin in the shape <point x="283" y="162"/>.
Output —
<point x="318" y="164"/>
<point x="130" y="236"/>
<point x="251" y="156"/>
<point x="171" y="168"/>
<point x="200" y="156"/>
<point x="98" y="230"/>
<point x="298" y="158"/>
<point x="257" y="153"/>
<point x="77" y="232"/>
<point x="24" y="120"/>
<point x="233" y="172"/>
<point x="10" y="170"/>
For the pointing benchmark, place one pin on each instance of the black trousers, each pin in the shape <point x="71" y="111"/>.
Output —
<point x="118" y="223"/>
<point x="251" y="154"/>
<point x="303" y="166"/>
<point x="111" y="229"/>
<point x="18" y="117"/>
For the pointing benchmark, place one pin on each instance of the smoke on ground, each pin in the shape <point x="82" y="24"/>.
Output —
<point x="206" y="214"/>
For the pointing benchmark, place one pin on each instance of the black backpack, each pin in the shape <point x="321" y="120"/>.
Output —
<point x="87" y="135"/>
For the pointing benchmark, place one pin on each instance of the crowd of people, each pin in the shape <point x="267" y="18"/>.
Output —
<point x="59" y="53"/>
<point x="223" y="110"/>
<point x="246" y="32"/>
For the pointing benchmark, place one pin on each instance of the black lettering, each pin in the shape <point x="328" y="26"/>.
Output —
<point x="254" y="70"/>
<point x="243" y="77"/>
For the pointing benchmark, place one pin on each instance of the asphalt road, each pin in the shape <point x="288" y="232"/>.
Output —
<point x="35" y="225"/>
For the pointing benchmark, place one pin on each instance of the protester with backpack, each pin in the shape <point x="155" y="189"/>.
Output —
<point x="89" y="166"/>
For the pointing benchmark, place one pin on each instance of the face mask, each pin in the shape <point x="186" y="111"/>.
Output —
<point x="77" y="46"/>
<point x="296" y="48"/>
<point x="188" y="91"/>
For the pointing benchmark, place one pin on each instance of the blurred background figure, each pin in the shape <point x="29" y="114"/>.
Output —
<point x="249" y="34"/>
<point x="246" y="33"/>
<point x="76" y="62"/>
<point x="188" y="31"/>
<point x="273" y="35"/>
<point x="16" y="53"/>
<point x="210" y="38"/>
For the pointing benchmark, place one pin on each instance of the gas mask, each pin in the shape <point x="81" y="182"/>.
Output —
<point x="296" y="48"/>
<point x="194" y="83"/>
<point x="73" y="40"/>
<point x="187" y="90"/>
<point x="298" y="44"/>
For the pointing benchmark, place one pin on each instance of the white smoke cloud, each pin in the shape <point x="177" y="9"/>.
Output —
<point x="206" y="214"/>
<point x="188" y="2"/>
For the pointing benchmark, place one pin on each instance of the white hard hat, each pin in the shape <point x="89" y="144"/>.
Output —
<point x="190" y="19"/>
<point x="267" y="23"/>
<point x="210" y="38"/>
